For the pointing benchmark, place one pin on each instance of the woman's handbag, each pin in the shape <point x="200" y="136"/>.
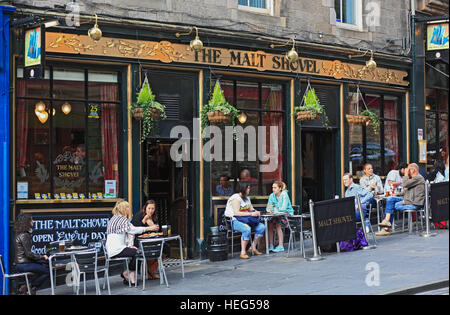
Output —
<point x="249" y="220"/>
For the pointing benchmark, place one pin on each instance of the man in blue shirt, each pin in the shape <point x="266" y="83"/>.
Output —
<point x="365" y="196"/>
<point x="224" y="188"/>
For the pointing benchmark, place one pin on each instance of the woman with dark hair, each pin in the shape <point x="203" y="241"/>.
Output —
<point x="244" y="218"/>
<point x="26" y="260"/>
<point x="147" y="217"/>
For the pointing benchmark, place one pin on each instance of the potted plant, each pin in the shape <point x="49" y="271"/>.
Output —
<point x="365" y="117"/>
<point x="147" y="109"/>
<point x="311" y="108"/>
<point x="218" y="110"/>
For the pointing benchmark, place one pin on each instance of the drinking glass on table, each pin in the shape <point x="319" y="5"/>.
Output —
<point x="61" y="246"/>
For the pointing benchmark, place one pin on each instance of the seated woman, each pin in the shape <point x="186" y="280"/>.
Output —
<point x="147" y="217"/>
<point x="278" y="201"/>
<point x="26" y="260"/>
<point x="244" y="219"/>
<point x="117" y="242"/>
<point x="370" y="181"/>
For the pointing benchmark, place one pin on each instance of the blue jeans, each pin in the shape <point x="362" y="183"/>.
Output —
<point x="394" y="203"/>
<point x="42" y="273"/>
<point x="365" y="208"/>
<point x="247" y="231"/>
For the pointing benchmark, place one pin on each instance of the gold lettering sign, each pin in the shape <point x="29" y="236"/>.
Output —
<point x="335" y="221"/>
<point x="168" y="52"/>
<point x="442" y="202"/>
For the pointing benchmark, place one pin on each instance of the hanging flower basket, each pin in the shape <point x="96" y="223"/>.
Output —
<point x="357" y="119"/>
<point x="138" y="113"/>
<point x="147" y="109"/>
<point x="305" y="115"/>
<point x="218" y="117"/>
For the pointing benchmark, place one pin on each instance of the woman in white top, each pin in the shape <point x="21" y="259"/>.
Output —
<point x="245" y="219"/>
<point x="118" y="240"/>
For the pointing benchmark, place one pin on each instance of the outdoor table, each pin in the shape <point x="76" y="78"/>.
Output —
<point x="163" y="240"/>
<point x="267" y="217"/>
<point x="65" y="253"/>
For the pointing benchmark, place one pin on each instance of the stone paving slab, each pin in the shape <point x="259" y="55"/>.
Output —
<point x="403" y="261"/>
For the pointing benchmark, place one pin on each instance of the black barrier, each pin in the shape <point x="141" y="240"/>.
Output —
<point x="335" y="220"/>
<point x="439" y="201"/>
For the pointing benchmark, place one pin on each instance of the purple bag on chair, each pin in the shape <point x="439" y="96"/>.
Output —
<point x="358" y="243"/>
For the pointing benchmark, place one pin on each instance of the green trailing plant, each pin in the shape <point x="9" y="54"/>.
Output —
<point x="219" y="103"/>
<point x="150" y="107"/>
<point x="312" y="103"/>
<point x="373" y="118"/>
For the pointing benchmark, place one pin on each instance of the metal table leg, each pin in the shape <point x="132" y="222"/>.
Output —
<point x="51" y="274"/>
<point x="267" y="236"/>
<point x="181" y="256"/>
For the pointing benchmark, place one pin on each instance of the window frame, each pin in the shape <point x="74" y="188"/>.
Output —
<point x="269" y="10"/>
<point x="399" y="120"/>
<point x="260" y="111"/>
<point x="50" y="99"/>
<point x="358" y="26"/>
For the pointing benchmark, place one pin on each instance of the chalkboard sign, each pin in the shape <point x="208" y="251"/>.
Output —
<point x="81" y="228"/>
<point x="335" y="220"/>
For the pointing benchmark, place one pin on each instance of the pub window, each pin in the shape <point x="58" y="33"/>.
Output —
<point x="262" y="103"/>
<point x="382" y="149"/>
<point x="67" y="135"/>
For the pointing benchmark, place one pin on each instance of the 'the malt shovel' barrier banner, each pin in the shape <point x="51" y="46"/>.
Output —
<point x="439" y="201"/>
<point x="335" y="220"/>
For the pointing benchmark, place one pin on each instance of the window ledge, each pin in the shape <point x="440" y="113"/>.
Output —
<point x="255" y="10"/>
<point x="350" y="27"/>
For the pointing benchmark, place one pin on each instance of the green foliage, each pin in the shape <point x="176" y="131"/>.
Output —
<point x="219" y="103"/>
<point x="374" y="119"/>
<point x="146" y="101"/>
<point x="312" y="103"/>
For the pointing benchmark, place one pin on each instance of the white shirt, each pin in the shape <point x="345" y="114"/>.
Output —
<point x="394" y="176"/>
<point x="229" y="212"/>
<point x="117" y="231"/>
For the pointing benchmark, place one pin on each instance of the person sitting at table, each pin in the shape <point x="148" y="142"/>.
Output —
<point x="365" y="196"/>
<point x="224" y="188"/>
<point x="148" y="217"/>
<point x="394" y="177"/>
<point x="371" y="181"/>
<point x="117" y="242"/>
<point x="278" y="202"/>
<point x="413" y="197"/>
<point x="244" y="219"/>
<point x="25" y="259"/>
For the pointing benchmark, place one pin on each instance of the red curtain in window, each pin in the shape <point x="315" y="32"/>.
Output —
<point x="22" y="127"/>
<point x="109" y="128"/>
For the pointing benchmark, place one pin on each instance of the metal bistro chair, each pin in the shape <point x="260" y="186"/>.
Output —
<point x="108" y="260"/>
<point x="149" y="250"/>
<point x="420" y="213"/>
<point x="296" y="226"/>
<point x="86" y="262"/>
<point x="231" y="232"/>
<point x="362" y="223"/>
<point x="14" y="275"/>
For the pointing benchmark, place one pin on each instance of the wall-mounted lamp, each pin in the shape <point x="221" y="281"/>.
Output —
<point x="292" y="55"/>
<point x="242" y="118"/>
<point x="371" y="65"/>
<point x="196" y="44"/>
<point x="95" y="32"/>
<point x="66" y="108"/>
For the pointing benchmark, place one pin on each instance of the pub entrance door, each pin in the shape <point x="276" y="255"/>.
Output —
<point x="318" y="166"/>
<point x="166" y="182"/>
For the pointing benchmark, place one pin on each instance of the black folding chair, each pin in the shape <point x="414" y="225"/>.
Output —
<point x="86" y="262"/>
<point x="149" y="249"/>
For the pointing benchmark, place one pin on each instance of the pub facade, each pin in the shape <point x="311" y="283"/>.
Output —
<point x="76" y="149"/>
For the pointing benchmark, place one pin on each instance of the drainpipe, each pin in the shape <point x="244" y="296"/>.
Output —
<point x="412" y="131"/>
<point x="5" y="12"/>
